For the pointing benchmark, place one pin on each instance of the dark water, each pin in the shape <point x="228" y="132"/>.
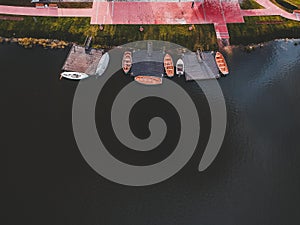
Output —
<point x="255" y="179"/>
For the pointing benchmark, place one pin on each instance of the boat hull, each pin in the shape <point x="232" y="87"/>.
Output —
<point x="179" y="67"/>
<point x="127" y="62"/>
<point x="148" y="80"/>
<point x="102" y="65"/>
<point x="221" y="63"/>
<point x="169" y="66"/>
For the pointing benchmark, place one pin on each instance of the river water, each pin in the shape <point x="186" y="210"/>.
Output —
<point x="255" y="178"/>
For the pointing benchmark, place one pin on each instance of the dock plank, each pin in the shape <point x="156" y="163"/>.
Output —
<point x="80" y="61"/>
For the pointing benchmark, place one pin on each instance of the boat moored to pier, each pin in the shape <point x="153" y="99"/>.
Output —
<point x="221" y="63"/>
<point x="127" y="62"/>
<point x="179" y="67"/>
<point x="169" y="66"/>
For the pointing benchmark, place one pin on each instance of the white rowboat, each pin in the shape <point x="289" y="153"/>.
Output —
<point x="74" y="75"/>
<point x="179" y="67"/>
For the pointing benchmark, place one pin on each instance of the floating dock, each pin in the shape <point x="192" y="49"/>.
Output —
<point x="147" y="63"/>
<point x="201" y="67"/>
<point x="197" y="67"/>
<point x="79" y="60"/>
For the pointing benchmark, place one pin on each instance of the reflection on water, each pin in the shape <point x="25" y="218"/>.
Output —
<point x="254" y="179"/>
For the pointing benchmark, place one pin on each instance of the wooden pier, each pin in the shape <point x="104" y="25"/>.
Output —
<point x="79" y="60"/>
<point x="198" y="66"/>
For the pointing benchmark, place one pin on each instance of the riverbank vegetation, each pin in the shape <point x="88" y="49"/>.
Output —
<point x="287" y="5"/>
<point x="76" y="30"/>
<point x="294" y="2"/>
<point x="250" y="4"/>
<point x="262" y="29"/>
<point x="255" y="30"/>
<point x="30" y="42"/>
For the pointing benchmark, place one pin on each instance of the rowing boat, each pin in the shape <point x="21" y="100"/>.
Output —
<point x="221" y="63"/>
<point x="148" y="80"/>
<point x="169" y="66"/>
<point x="127" y="62"/>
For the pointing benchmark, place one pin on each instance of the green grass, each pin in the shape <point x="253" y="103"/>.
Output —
<point x="294" y="2"/>
<point x="285" y="5"/>
<point x="75" y="4"/>
<point x="255" y="30"/>
<point x="76" y="29"/>
<point x="252" y="32"/>
<point x="250" y="4"/>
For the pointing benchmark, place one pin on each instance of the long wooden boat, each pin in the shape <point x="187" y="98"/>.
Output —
<point x="73" y="75"/>
<point x="127" y="62"/>
<point x="179" y="67"/>
<point x="221" y="63"/>
<point x="148" y="80"/>
<point x="102" y="65"/>
<point x="169" y="66"/>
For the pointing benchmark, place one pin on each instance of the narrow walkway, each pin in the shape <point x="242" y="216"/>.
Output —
<point x="269" y="10"/>
<point x="221" y="31"/>
<point x="56" y="12"/>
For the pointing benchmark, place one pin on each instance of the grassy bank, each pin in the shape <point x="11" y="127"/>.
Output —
<point x="287" y="5"/>
<point x="30" y="42"/>
<point x="294" y="2"/>
<point x="261" y="29"/>
<point x="255" y="30"/>
<point x="250" y="4"/>
<point x="76" y="30"/>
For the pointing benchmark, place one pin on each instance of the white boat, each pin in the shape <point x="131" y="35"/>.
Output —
<point x="179" y="67"/>
<point x="74" y="75"/>
<point x="102" y="65"/>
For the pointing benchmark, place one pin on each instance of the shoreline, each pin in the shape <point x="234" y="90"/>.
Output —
<point x="32" y="42"/>
<point x="74" y="30"/>
<point x="61" y="44"/>
<point x="252" y="47"/>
